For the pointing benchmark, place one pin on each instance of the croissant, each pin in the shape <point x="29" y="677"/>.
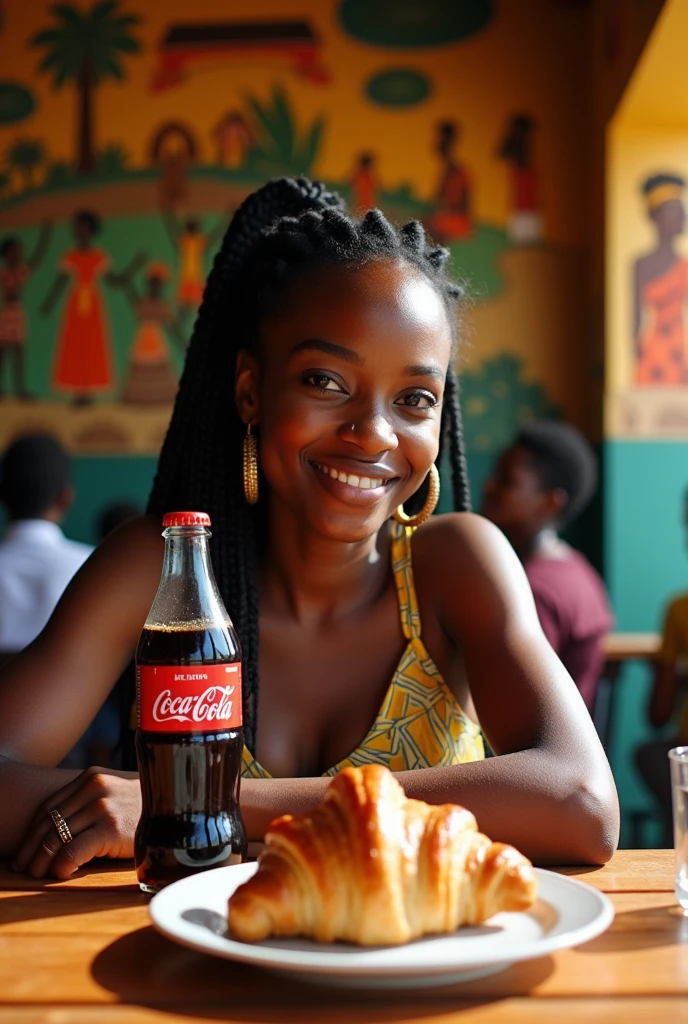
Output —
<point x="372" y="867"/>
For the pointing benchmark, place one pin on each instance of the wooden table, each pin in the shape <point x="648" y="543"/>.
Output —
<point x="627" y="646"/>
<point x="618" y="649"/>
<point x="83" y="951"/>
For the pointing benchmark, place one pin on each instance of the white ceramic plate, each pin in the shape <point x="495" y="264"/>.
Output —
<point x="193" y="912"/>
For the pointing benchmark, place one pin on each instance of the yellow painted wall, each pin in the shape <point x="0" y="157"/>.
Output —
<point x="656" y="94"/>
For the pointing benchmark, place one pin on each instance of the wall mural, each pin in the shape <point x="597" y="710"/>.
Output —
<point x="661" y="288"/>
<point x="188" y="48"/>
<point x="649" y="341"/>
<point x="107" y="234"/>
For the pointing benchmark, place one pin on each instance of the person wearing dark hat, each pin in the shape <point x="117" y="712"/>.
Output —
<point x="37" y="561"/>
<point x="540" y="484"/>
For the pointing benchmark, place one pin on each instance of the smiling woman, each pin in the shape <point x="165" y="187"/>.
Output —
<point x="330" y="341"/>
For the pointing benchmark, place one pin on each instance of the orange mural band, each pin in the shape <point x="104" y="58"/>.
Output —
<point x="662" y="194"/>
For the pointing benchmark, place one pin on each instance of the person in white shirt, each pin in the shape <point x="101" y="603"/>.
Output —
<point x="37" y="561"/>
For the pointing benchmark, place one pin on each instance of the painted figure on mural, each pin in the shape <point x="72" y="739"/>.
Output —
<point x="516" y="149"/>
<point x="173" y="150"/>
<point x="14" y="273"/>
<point x="150" y="378"/>
<point x="191" y="244"/>
<point x="233" y="138"/>
<point x="661" y="288"/>
<point x="83" y="364"/>
<point x="364" y="182"/>
<point x="452" y="220"/>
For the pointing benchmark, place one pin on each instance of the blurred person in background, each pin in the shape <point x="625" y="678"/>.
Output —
<point x="540" y="484"/>
<point x="100" y="744"/>
<point x="37" y="561"/>
<point x="668" y="704"/>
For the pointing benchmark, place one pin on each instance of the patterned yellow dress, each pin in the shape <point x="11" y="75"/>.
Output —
<point x="420" y="724"/>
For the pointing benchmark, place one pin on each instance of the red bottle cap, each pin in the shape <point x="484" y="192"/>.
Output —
<point x="186" y="519"/>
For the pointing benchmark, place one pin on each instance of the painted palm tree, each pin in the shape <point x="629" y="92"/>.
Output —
<point x="85" y="48"/>
<point x="281" y="149"/>
<point x="25" y="156"/>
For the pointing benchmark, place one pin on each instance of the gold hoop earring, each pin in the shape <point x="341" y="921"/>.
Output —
<point x="250" y="466"/>
<point x="429" y="506"/>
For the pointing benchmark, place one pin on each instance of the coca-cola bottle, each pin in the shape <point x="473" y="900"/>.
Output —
<point x="189" y="739"/>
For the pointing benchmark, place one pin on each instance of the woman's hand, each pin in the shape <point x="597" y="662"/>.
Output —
<point x="101" y="808"/>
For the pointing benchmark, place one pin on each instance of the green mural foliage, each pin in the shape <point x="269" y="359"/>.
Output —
<point x="281" y="149"/>
<point x="414" y="23"/>
<point x="398" y="87"/>
<point x="496" y="399"/>
<point x="16" y="102"/>
<point x="476" y="261"/>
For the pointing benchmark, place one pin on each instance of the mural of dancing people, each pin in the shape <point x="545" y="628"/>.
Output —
<point x="661" y="288"/>
<point x="364" y="183"/>
<point x="15" y="271"/>
<point x="174" y="149"/>
<point x="452" y="220"/>
<point x="150" y="378"/>
<point x="83" y="364"/>
<point x="191" y="244"/>
<point x="516" y="150"/>
<point x="233" y="138"/>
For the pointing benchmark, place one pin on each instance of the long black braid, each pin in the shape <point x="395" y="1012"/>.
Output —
<point x="285" y="228"/>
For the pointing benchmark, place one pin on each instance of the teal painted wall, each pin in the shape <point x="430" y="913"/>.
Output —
<point x="100" y="482"/>
<point x="646" y="562"/>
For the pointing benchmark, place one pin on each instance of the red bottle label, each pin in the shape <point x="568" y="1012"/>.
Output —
<point x="178" y="698"/>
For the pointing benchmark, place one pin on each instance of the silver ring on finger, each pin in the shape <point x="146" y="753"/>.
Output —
<point x="62" y="827"/>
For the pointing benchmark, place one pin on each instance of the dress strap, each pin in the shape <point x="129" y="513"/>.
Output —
<point x="403" y="578"/>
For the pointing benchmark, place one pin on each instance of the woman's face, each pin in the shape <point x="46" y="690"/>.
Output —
<point x="670" y="218"/>
<point x="349" y="390"/>
<point x="515" y="499"/>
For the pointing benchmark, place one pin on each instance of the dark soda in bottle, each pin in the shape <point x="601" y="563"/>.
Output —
<point x="189" y="739"/>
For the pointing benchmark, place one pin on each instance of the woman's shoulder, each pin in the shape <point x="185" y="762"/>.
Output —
<point x="135" y="548"/>
<point x="459" y="539"/>
<point x="467" y="560"/>
<point x="140" y="532"/>
<point x="469" y="577"/>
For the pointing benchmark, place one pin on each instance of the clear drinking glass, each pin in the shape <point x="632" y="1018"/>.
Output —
<point x="678" y="758"/>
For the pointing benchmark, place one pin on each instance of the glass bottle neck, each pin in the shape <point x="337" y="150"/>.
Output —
<point x="187" y="593"/>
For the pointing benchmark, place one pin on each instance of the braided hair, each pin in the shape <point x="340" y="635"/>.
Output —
<point x="287" y="227"/>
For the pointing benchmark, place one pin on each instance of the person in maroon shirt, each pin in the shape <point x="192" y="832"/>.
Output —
<point x="540" y="484"/>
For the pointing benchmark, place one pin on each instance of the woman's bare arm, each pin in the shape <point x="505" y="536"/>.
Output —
<point x="51" y="692"/>
<point x="550" y="791"/>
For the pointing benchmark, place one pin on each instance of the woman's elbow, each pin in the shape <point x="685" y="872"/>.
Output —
<point x="593" y="813"/>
